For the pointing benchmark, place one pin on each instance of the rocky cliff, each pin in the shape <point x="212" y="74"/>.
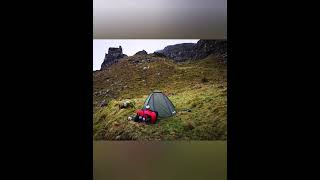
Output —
<point x="179" y="52"/>
<point x="113" y="56"/>
<point x="199" y="50"/>
<point x="203" y="48"/>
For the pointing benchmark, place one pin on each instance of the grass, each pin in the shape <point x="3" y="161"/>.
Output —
<point x="185" y="86"/>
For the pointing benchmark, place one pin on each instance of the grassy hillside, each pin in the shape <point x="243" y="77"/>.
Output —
<point x="200" y="86"/>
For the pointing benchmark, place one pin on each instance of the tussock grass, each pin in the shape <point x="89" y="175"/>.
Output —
<point x="182" y="83"/>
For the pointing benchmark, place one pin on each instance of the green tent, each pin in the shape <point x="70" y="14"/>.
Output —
<point x="161" y="103"/>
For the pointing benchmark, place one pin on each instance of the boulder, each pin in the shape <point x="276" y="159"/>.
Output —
<point x="143" y="52"/>
<point x="103" y="103"/>
<point x="126" y="104"/>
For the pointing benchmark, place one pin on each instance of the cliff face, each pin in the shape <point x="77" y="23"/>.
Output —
<point x="179" y="52"/>
<point x="200" y="50"/>
<point x="203" y="48"/>
<point x="113" y="56"/>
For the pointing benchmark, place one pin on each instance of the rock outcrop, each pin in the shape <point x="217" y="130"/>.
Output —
<point x="113" y="56"/>
<point x="178" y="52"/>
<point x="158" y="54"/>
<point x="191" y="51"/>
<point x="143" y="52"/>
<point x="204" y="48"/>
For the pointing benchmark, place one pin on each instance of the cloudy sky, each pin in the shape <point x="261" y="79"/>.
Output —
<point x="159" y="19"/>
<point x="131" y="46"/>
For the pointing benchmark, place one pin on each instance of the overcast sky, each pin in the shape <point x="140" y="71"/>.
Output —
<point x="159" y="19"/>
<point x="131" y="46"/>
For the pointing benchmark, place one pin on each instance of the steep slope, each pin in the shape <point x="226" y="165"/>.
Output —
<point x="199" y="86"/>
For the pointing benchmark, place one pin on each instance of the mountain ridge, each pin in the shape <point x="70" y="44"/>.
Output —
<point x="178" y="52"/>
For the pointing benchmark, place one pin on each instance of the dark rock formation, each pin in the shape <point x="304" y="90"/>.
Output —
<point x="200" y="50"/>
<point x="158" y="54"/>
<point x="143" y="52"/>
<point x="178" y="52"/>
<point x="204" y="48"/>
<point x="114" y="54"/>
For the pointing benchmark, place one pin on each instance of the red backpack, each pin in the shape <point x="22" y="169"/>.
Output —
<point x="148" y="115"/>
